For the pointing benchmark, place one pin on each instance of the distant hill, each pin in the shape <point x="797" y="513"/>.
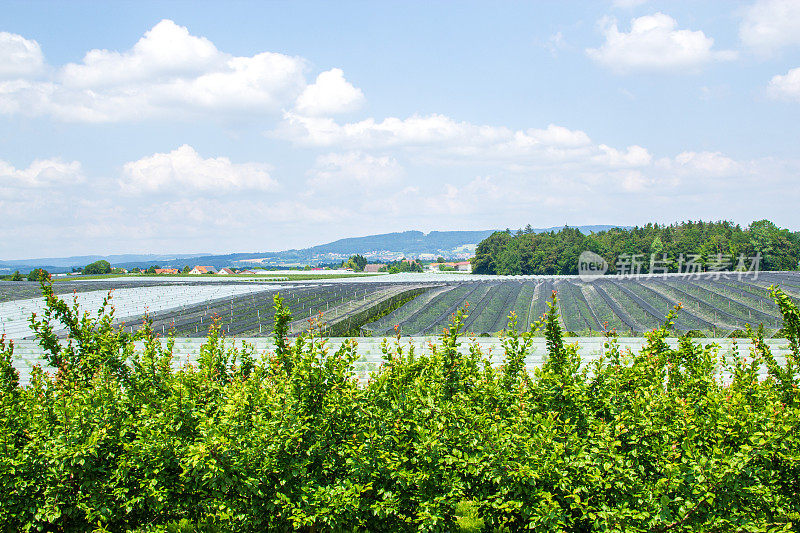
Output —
<point x="66" y="264"/>
<point x="416" y="242"/>
<point x="407" y="242"/>
<point x="80" y="260"/>
<point x="412" y="242"/>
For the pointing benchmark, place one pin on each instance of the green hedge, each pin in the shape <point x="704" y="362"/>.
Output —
<point x="117" y="440"/>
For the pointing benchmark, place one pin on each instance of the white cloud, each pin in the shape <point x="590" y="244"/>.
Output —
<point x="438" y="139"/>
<point x="183" y="170"/>
<point x="19" y="56"/>
<point x="392" y="202"/>
<point x="330" y="94"/>
<point x="431" y="129"/>
<point x="786" y="86"/>
<point x="449" y="202"/>
<point x="170" y="73"/>
<point x="531" y="168"/>
<point x="655" y="43"/>
<point x="700" y="165"/>
<point x="447" y="136"/>
<point x="165" y="52"/>
<point x="41" y="173"/>
<point x="769" y="25"/>
<point x="334" y="170"/>
<point x="633" y="156"/>
<point x="478" y="194"/>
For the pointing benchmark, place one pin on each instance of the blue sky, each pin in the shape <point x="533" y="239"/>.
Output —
<point x="238" y="126"/>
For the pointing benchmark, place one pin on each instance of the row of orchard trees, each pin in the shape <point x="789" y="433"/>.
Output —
<point x="552" y="253"/>
<point x="119" y="440"/>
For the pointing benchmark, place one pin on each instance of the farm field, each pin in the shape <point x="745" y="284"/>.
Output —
<point x="712" y="305"/>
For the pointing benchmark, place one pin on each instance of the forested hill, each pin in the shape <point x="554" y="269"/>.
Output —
<point x="414" y="242"/>
<point x="406" y="241"/>
<point x="549" y="253"/>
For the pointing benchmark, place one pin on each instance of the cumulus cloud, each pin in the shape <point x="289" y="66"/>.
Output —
<point x="334" y="170"/>
<point x="330" y="94"/>
<point x="533" y="167"/>
<point x="655" y="43"/>
<point x="368" y="133"/>
<point x="184" y="170"/>
<point x="170" y="73"/>
<point x="769" y="25"/>
<point x="19" y="57"/>
<point x="700" y="165"/>
<point x="41" y="173"/>
<point x="164" y="52"/>
<point x="786" y="86"/>
<point x="633" y="156"/>
<point x="447" y="136"/>
<point x="442" y="140"/>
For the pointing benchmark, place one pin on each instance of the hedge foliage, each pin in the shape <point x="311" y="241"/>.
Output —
<point x="119" y="440"/>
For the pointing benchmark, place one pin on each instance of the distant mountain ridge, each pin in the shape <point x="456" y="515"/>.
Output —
<point x="81" y="260"/>
<point x="414" y="242"/>
<point x="405" y="242"/>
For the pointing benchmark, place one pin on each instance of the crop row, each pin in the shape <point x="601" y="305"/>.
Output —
<point x="711" y="305"/>
<point x="253" y="314"/>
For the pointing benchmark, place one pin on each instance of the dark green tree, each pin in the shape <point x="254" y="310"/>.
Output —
<point x="37" y="273"/>
<point x="356" y="262"/>
<point x="552" y="253"/>
<point x="98" y="267"/>
<point x="488" y="251"/>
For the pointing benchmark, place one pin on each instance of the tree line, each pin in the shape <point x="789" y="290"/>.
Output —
<point x="707" y="244"/>
<point x="358" y="262"/>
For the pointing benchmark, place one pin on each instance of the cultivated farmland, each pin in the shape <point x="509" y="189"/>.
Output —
<point x="419" y="305"/>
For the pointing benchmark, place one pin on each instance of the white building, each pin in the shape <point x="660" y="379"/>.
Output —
<point x="203" y="270"/>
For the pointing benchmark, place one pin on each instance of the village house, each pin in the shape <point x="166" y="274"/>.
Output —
<point x="463" y="266"/>
<point x="225" y="271"/>
<point x="166" y="271"/>
<point x="459" y="266"/>
<point x="373" y="267"/>
<point x="203" y="270"/>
